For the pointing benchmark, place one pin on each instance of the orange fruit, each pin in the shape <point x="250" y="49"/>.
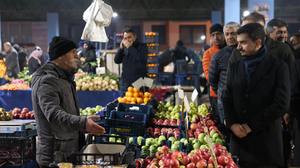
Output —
<point x="141" y="94"/>
<point x="147" y="94"/>
<point x="139" y="100"/>
<point x="120" y="99"/>
<point x="126" y="94"/>
<point x="130" y="89"/>
<point x="133" y="99"/>
<point x="135" y="94"/>
<point x="129" y="94"/>
<point x="124" y="100"/>
<point x="132" y="102"/>
<point x="151" y="95"/>
<point x="146" y="100"/>
<point x="136" y="90"/>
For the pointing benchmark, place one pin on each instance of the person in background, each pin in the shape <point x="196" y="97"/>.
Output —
<point x="192" y="54"/>
<point x="257" y="95"/>
<point x="219" y="63"/>
<point x="34" y="61"/>
<point x="217" y="37"/>
<point x="25" y="50"/>
<point x="80" y="47"/>
<point x="21" y="56"/>
<point x="277" y="30"/>
<point x="295" y="42"/>
<point x="43" y="58"/>
<point x="11" y="61"/>
<point x="55" y="103"/>
<point x="164" y="59"/>
<point x="133" y="55"/>
<point x="88" y="55"/>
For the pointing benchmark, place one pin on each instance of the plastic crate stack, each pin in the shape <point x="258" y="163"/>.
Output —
<point x="151" y="39"/>
<point x="128" y="120"/>
<point x="118" y="37"/>
<point x="189" y="74"/>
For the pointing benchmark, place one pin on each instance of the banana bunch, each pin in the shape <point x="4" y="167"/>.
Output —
<point x="5" y="116"/>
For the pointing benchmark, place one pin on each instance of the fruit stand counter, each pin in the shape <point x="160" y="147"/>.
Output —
<point x="22" y="98"/>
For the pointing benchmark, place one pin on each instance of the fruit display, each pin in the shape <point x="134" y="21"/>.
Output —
<point x="19" y="81"/>
<point x="158" y="132"/>
<point x="166" y="122"/>
<point x="135" y="96"/>
<point x="198" y="159"/>
<point x="22" y="114"/>
<point x="97" y="83"/>
<point x="90" y="111"/>
<point x="78" y="74"/>
<point x="170" y="112"/>
<point x="14" y="87"/>
<point x="2" y="69"/>
<point x="5" y="116"/>
<point x="23" y="75"/>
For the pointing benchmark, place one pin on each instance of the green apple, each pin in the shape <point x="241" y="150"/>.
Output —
<point x="149" y="141"/>
<point x="119" y="140"/>
<point x="175" y="147"/>
<point x="168" y="104"/>
<point x="202" y="147"/>
<point x="176" y="143"/>
<point x="112" y="139"/>
<point x="145" y="147"/>
<point x="170" y="108"/>
<point x="196" y="146"/>
<point x="195" y="141"/>
<point x="215" y="136"/>
<point x="152" y="147"/>
<point x="131" y="140"/>
<point x="219" y="141"/>
<point x="139" y="140"/>
<point x="182" y="139"/>
<point x="201" y="137"/>
<point x="162" y="137"/>
<point x="185" y="142"/>
<point x="191" y="139"/>
<point x="159" y="148"/>
<point x="192" y="104"/>
<point x="212" y="132"/>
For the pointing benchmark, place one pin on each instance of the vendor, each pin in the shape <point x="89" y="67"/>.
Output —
<point x="133" y="54"/>
<point x="55" y="104"/>
<point x="11" y="61"/>
<point x="88" y="55"/>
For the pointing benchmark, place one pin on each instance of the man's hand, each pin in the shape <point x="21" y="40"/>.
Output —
<point x="122" y="45"/>
<point x="286" y="119"/>
<point x="246" y="128"/>
<point x="92" y="127"/>
<point x="238" y="130"/>
<point x="224" y="122"/>
<point x="82" y="59"/>
<point x="127" y="44"/>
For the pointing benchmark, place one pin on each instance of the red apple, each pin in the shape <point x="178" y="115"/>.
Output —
<point x="220" y="166"/>
<point x="178" y="122"/>
<point x="223" y="160"/>
<point x="218" y="151"/>
<point x="22" y="116"/>
<point x="229" y="166"/>
<point x="208" y="116"/>
<point x="25" y="109"/>
<point x="210" y="123"/>
<point x="210" y="165"/>
<point x="165" y="149"/>
<point x="201" y="164"/>
<point x="210" y="160"/>
<point x="154" y="121"/>
<point x="16" y="116"/>
<point x="156" y="130"/>
<point x="24" y="112"/>
<point x="195" y="159"/>
<point x="176" y="155"/>
<point x="16" y="110"/>
<point x="158" y="154"/>
<point x="174" y="163"/>
<point x="27" y="116"/>
<point x="194" y="126"/>
<point x="191" y="165"/>
<point x="185" y="160"/>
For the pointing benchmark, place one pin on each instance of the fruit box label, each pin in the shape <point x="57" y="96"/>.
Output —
<point x="124" y="130"/>
<point x="9" y="129"/>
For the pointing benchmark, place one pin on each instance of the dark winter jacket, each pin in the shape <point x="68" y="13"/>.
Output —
<point x="295" y="109"/>
<point x="56" y="108"/>
<point x="164" y="59"/>
<point x="12" y="63"/>
<point x="297" y="52"/>
<point x="192" y="55"/>
<point x="217" y="75"/>
<point x="134" y="63"/>
<point x="21" y="56"/>
<point x="90" y="56"/>
<point x="33" y="65"/>
<point x="260" y="104"/>
<point x="275" y="48"/>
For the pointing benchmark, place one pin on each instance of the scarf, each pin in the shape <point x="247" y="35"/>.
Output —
<point x="251" y="62"/>
<point x="36" y="55"/>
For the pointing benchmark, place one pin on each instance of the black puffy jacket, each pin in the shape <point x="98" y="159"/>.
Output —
<point x="90" y="56"/>
<point x="217" y="74"/>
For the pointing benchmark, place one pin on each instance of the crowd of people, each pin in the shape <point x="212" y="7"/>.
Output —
<point x="254" y="82"/>
<point x="16" y="58"/>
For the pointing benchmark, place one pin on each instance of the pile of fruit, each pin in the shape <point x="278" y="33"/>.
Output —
<point x="198" y="159"/>
<point x="4" y="115"/>
<point x="170" y="112"/>
<point x="2" y="69"/>
<point x="158" y="132"/>
<point x="19" y="81"/>
<point x="14" y="87"/>
<point x="96" y="83"/>
<point x="135" y="96"/>
<point x="166" y="122"/>
<point x="78" y="74"/>
<point x="22" y="114"/>
<point x="90" y="111"/>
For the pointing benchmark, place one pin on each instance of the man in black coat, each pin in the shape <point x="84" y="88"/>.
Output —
<point x="11" y="60"/>
<point x="218" y="65"/>
<point x="257" y="95"/>
<point x="133" y="55"/>
<point x="21" y="55"/>
<point x="87" y="56"/>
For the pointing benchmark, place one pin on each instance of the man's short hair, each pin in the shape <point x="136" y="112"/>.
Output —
<point x="297" y="35"/>
<point x="254" y="31"/>
<point x="7" y="44"/>
<point x="128" y="30"/>
<point x="179" y="43"/>
<point x="231" y="24"/>
<point x="255" y="16"/>
<point x="275" y="22"/>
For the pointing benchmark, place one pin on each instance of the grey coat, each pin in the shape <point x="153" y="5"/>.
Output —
<point x="56" y="107"/>
<point x="12" y="62"/>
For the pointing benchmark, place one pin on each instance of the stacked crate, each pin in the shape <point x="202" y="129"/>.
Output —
<point x="118" y="37"/>
<point x="151" y="39"/>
